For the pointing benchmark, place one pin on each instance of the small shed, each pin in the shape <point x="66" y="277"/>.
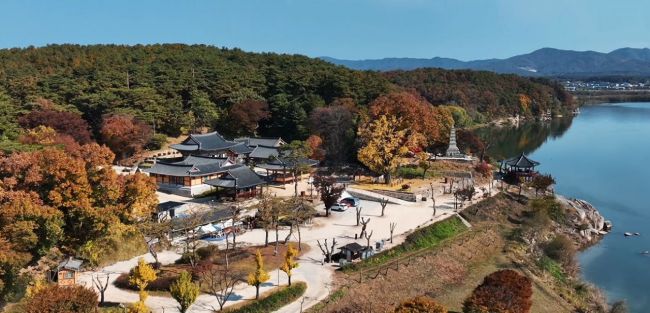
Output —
<point x="67" y="271"/>
<point x="167" y="210"/>
<point x="353" y="251"/>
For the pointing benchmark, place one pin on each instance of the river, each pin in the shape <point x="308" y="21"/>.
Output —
<point x="602" y="156"/>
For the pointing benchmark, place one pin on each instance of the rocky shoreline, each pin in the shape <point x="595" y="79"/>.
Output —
<point x="590" y="225"/>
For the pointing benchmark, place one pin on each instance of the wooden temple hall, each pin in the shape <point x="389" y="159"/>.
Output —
<point x="212" y="163"/>
<point x="521" y="165"/>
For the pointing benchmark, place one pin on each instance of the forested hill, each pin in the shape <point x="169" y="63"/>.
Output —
<point x="177" y="88"/>
<point x="486" y="94"/>
<point x="165" y="81"/>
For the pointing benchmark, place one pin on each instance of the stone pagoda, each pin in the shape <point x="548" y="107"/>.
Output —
<point x="453" y="150"/>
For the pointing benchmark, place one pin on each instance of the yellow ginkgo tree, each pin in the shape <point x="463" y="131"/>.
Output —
<point x="289" y="261"/>
<point x="384" y="143"/>
<point x="141" y="275"/>
<point x="259" y="276"/>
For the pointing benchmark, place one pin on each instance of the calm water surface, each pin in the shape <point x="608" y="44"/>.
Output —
<point x="602" y="156"/>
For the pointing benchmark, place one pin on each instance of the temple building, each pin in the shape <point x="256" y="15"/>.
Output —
<point x="453" y="150"/>
<point x="212" y="145"/>
<point x="212" y="163"/>
<point x="189" y="176"/>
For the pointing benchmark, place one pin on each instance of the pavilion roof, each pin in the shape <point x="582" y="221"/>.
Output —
<point x="204" y="142"/>
<point x="521" y="161"/>
<point x="264" y="152"/>
<point x="241" y="174"/>
<point x="260" y="141"/>
<point x="192" y="166"/>
<point x="353" y="247"/>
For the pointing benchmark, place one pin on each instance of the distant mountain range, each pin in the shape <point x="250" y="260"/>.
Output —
<point x="546" y="62"/>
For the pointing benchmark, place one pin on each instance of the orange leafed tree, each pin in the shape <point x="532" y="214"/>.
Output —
<point x="75" y="195"/>
<point x="415" y="114"/>
<point x="125" y="135"/>
<point x="421" y="304"/>
<point x="56" y="299"/>
<point x="316" y="143"/>
<point x="504" y="291"/>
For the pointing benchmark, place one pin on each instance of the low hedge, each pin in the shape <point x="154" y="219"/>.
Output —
<point x="276" y="300"/>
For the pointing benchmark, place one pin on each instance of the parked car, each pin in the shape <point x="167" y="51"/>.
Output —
<point x="340" y="207"/>
<point x="351" y="201"/>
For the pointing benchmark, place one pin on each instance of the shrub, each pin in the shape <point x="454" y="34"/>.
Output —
<point x="483" y="168"/>
<point x="410" y="172"/>
<point x="421" y="304"/>
<point x="552" y="267"/>
<point x="504" y="291"/>
<point x="55" y="299"/>
<point x="156" y="142"/>
<point x="275" y="300"/>
<point x="184" y="291"/>
<point x="561" y="249"/>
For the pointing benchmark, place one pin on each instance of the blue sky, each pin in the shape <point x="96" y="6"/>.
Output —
<point x="351" y="29"/>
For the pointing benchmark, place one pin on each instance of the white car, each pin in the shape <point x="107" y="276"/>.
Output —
<point x="340" y="207"/>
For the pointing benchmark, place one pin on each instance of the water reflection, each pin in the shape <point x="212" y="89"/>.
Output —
<point x="508" y="141"/>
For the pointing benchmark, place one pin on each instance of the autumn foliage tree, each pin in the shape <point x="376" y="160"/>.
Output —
<point x="504" y="291"/>
<point x="329" y="191"/>
<point x="416" y="116"/>
<point x="289" y="261"/>
<point x="383" y="145"/>
<point x="335" y="125"/>
<point x="140" y="276"/>
<point x="65" y="123"/>
<point x="184" y="291"/>
<point x="246" y="115"/>
<point x="259" y="276"/>
<point x="316" y="145"/>
<point x="421" y="304"/>
<point x="57" y="299"/>
<point x="542" y="182"/>
<point x="125" y="135"/>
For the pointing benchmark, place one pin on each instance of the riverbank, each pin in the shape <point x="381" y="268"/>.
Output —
<point x="508" y="232"/>
<point x="611" y="96"/>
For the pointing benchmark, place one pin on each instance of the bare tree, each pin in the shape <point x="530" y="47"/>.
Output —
<point x="433" y="197"/>
<point x="190" y="226"/>
<point x="156" y="236"/>
<point x="368" y="236"/>
<point x="219" y="281"/>
<point x="392" y="229"/>
<point x="364" y="224"/>
<point x="358" y="208"/>
<point x="235" y="212"/>
<point x="383" y="203"/>
<point x="101" y="287"/>
<point x="265" y="215"/>
<point x="304" y="211"/>
<point x="326" y="250"/>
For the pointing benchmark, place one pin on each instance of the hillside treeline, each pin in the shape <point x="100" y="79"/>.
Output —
<point x="177" y="88"/>
<point x="486" y="95"/>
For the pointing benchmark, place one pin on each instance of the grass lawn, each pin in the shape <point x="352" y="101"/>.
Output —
<point x="421" y="239"/>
